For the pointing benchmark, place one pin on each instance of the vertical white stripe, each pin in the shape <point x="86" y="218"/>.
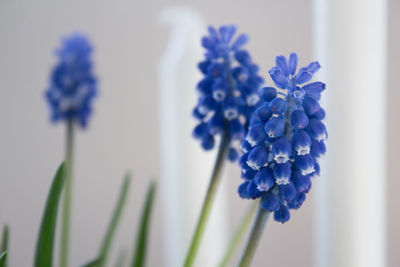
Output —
<point x="186" y="168"/>
<point x="350" y="43"/>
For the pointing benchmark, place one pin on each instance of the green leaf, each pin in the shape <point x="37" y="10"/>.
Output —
<point x="114" y="221"/>
<point x="141" y="241"/>
<point x="45" y="241"/>
<point x="92" y="263"/>
<point x="3" y="259"/>
<point x="4" y="243"/>
<point x="239" y="233"/>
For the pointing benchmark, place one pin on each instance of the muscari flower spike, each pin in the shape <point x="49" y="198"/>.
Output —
<point x="72" y="83"/>
<point x="285" y="139"/>
<point x="229" y="90"/>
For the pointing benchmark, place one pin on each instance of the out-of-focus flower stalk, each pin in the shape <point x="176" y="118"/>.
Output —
<point x="67" y="199"/>
<point x="255" y="236"/>
<point x="210" y="196"/>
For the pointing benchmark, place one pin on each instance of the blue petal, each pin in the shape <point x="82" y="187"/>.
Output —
<point x="200" y="131"/>
<point x="256" y="135"/>
<point x="299" y="119"/>
<point x="301" y="182"/>
<point x="242" y="190"/>
<point x="318" y="148"/>
<point x="282" y="173"/>
<point x="278" y="77"/>
<point x="208" y="142"/>
<point x="264" y="179"/>
<point x="287" y="191"/>
<point x="292" y="63"/>
<point x="263" y="113"/>
<point x="252" y="190"/>
<point x="227" y="32"/>
<point x="282" y="215"/>
<point x="316" y="129"/>
<point x="303" y="76"/>
<point x="233" y="154"/>
<point x="257" y="157"/>
<point x="281" y="63"/>
<point x="213" y="33"/>
<point x="207" y="43"/>
<point x="275" y="127"/>
<point x="313" y="67"/>
<point x="268" y="93"/>
<point x="216" y="123"/>
<point x="270" y="202"/>
<point x="243" y="57"/>
<point x="304" y="164"/>
<point x="310" y="105"/>
<point x="277" y="106"/>
<point x="315" y="87"/>
<point x="240" y="41"/>
<point x="282" y="150"/>
<point x="301" y="142"/>
<point x="245" y="146"/>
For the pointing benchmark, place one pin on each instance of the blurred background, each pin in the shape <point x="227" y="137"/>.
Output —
<point x="125" y="132"/>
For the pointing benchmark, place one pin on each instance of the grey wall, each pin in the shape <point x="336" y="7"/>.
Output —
<point x="124" y="132"/>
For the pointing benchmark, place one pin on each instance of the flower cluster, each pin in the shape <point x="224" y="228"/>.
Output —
<point x="229" y="89"/>
<point x="72" y="83"/>
<point x="285" y="139"/>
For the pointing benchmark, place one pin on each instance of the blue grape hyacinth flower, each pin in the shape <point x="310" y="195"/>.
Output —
<point x="229" y="89"/>
<point x="72" y="85"/>
<point x="285" y="139"/>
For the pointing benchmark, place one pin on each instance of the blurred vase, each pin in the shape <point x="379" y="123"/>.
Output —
<point x="185" y="167"/>
<point x="350" y="43"/>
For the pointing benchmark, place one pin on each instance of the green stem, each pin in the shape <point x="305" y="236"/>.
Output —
<point x="239" y="233"/>
<point x="207" y="204"/>
<point x="66" y="215"/>
<point x="254" y="238"/>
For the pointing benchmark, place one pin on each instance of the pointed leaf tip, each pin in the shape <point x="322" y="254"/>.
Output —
<point x="45" y="241"/>
<point x="141" y="242"/>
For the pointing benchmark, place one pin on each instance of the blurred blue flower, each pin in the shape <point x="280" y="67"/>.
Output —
<point x="285" y="138"/>
<point x="229" y="89"/>
<point x="72" y="85"/>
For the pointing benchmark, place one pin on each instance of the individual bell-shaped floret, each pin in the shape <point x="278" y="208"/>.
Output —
<point x="256" y="135"/>
<point x="277" y="106"/>
<point x="275" y="127"/>
<point x="282" y="214"/>
<point x="270" y="202"/>
<point x="287" y="191"/>
<point x="301" y="142"/>
<point x="268" y="93"/>
<point x="281" y="150"/>
<point x="318" y="148"/>
<point x="282" y="173"/>
<point x="301" y="182"/>
<point x="316" y="129"/>
<point x="299" y="119"/>
<point x="304" y="164"/>
<point x="257" y="157"/>
<point x="264" y="179"/>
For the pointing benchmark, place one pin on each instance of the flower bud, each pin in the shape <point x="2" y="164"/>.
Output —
<point x="299" y="119"/>
<point x="264" y="179"/>
<point x="270" y="202"/>
<point x="282" y="173"/>
<point x="301" y="142"/>
<point x="304" y="164"/>
<point x="281" y="150"/>
<point x="257" y="157"/>
<point x="275" y="127"/>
